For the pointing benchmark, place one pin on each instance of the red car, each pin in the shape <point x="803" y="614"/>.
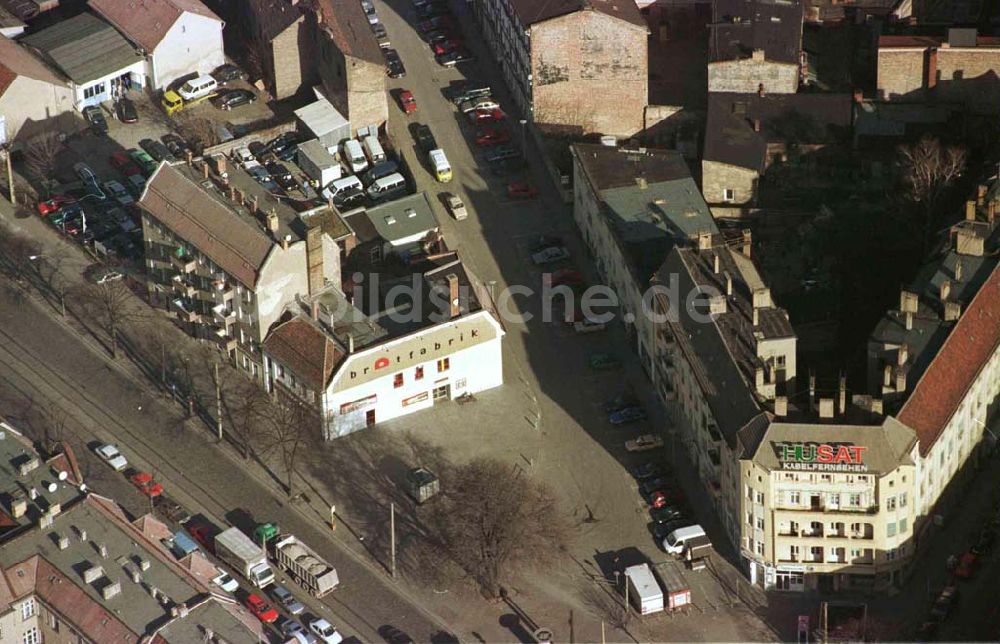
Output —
<point x="123" y="163"/>
<point x="486" y="116"/>
<point x="966" y="565"/>
<point x="261" y="609"/>
<point x="657" y="499"/>
<point x="144" y="481"/>
<point x="407" y="102"/>
<point x="521" y="190"/>
<point x="492" y="136"/>
<point x="203" y="534"/>
<point x="563" y="277"/>
<point x="53" y="204"/>
<point x="445" y="45"/>
<point x="440" y="23"/>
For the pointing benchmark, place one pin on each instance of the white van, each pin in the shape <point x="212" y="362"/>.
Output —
<point x="374" y="149"/>
<point x="674" y="542"/>
<point x="341" y="185"/>
<point x="442" y="169"/>
<point x="198" y="87"/>
<point x="354" y="157"/>
<point x="384" y="187"/>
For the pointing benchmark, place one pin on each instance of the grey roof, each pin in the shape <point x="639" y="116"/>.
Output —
<point x="741" y="26"/>
<point x="793" y="118"/>
<point x="85" y="48"/>
<point x="406" y="217"/>
<point x="887" y="445"/>
<point x="321" y="117"/>
<point x="650" y="199"/>
<point x="721" y="351"/>
<point x="272" y="17"/>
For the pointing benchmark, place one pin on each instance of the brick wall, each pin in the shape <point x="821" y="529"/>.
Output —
<point x="900" y="72"/>
<point x="589" y="74"/>
<point x="747" y="75"/>
<point x="717" y="177"/>
<point x="285" y="53"/>
<point x="961" y="75"/>
<point x="367" y="102"/>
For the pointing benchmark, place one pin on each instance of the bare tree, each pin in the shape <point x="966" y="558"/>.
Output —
<point x="196" y="130"/>
<point x="287" y="427"/>
<point x="494" y="518"/>
<point x="42" y="153"/>
<point x="246" y="405"/>
<point x="111" y="302"/>
<point x="929" y="169"/>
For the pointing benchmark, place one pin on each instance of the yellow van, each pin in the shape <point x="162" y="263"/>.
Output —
<point x="172" y="102"/>
<point x="442" y="169"/>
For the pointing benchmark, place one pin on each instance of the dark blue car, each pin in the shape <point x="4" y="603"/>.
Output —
<point x="627" y="415"/>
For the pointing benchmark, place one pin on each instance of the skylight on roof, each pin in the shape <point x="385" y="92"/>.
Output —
<point x="390" y="220"/>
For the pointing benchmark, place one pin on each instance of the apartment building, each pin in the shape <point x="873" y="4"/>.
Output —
<point x="74" y="568"/>
<point x="723" y="349"/>
<point x="755" y="45"/>
<point x="573" y="66"/>
<point x="632" y="206"/>
<point x="225" y="257"/>
<point x="370" y="357"/>
<point x="959" y="69"/>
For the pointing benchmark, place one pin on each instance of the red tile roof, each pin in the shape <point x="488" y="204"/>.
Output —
<point x="949" y="376"/>
<point x="16" y="60"/>
<point x="304" y="349"/>
<point x="347" y="25"/>
<point x="146" y="23"/>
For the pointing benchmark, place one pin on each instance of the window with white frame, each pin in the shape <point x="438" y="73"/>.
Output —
<point x="890" y="503"/>
<point x="32" y="636"/>
<point x="760" y="498"/>
<point x="728" y="194"/>
<point x="902" y="499"/>
<point x="28" y="608"/>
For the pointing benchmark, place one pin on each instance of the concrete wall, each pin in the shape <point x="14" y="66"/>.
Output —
<point x="717" y="177"/>
<point x="900" y="72"/>
<point x="748" y="74"/>
<point x="29" y="104"/>
<point x="286" y="65"/>
<point x="589" y="74"/>
<point x="193" y="44"/>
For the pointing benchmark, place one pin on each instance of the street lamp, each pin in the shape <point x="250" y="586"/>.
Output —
<point x="524" y="135"/>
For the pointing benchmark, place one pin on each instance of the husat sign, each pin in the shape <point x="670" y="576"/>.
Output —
<point x="821" y="457"/>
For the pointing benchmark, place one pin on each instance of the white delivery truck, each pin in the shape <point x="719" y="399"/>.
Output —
<point x="644" y="593"/>
<point x="246" y="557"/>
<point x="307" y="568"/>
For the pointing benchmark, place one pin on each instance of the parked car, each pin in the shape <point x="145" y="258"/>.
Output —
<point x="407" y="102"/>
<point x="521" y="190"/>
<point x="117" y="191"/>
<point x="261" y="609"/>
<point x="480" y="103"/>
<point x="325" y="631"/>
<point x="660" y="530"/>
<point x="627" y="415"/>
<point x="563" y="277"/>
<point x="381" y="34"/>
<point x="424" y="137"/>
<point x="284" y="146"/>
<point x="666" y="514"/>
<point x="646" y="471"/>
<point x="393" y="63"/>
<point x="227" y="73"/>
<point x="110" y="455"/>
<point x="143" y="160"/>
<point x="550" y="255"/>
<point x="586" y="325"/>
<point x="454" y="57"/>
<point x="278" y="170"/>
<point x="491" y="135"/>
<point x="156" y="150"/>
<point x="544" y="241"/>
<point x="456" y="206"/>
<point x="54" y="204"/>
<point x="123" y="163"/>
<point x="224" y="581"/>
<point x="434" y="24"/>
<point x="507" y="167"/>
<point x="486" y="116"/>
<point x="467" y="90"/>
<point x="502" y="152"/>
<point x="295" y="631"/>
<point x="126" y="111"/>
<point x="235" y="98"/>
<point x="349" y="198"/>
<point x="966" y="565"/>
<point x="286" y="600"/>
<point x="644" y="443"/>
<point x="444" y="44"/>
<point x="603" y="362"/>
<point x="657" y="499"/>
<point x="95" y="117"/>
<point x="177" y="146"/>
<point x="144" y="481"/>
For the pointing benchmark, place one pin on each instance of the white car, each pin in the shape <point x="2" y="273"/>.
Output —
<point x="456" y="206"/>
<point x="588" y="326"/>
<point x="118" y="192"/>
<point x="549" y="255"/>
<point x="325" y="631"/>
<point x="482" y="103"/>
<point x="110" y="455"/>
<point x="224" y="581"/>
<point x="643" y="443"/>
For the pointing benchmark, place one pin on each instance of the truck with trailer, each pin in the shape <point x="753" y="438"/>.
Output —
<point x="645" y="593"/>
<point x="304" y="566"/>
<point x="247" y="558"/>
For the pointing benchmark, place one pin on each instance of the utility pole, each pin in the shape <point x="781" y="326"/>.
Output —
<point x="392" y="536"/>
<point x="218" y="401"/>
<point x="602" y="632"/>
<point x="163" y="361"/>
<point x="10" y="174"/>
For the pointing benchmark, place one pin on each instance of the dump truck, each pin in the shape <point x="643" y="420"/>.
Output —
<point x="304" y="566"/>
<point x="247" y="558"/>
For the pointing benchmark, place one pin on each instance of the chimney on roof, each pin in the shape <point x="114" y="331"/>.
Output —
<point x="190" y="158"/>
<point x="729" y="282"/>
<point x="958" y="269"/>
<point x="760" y="90"/>
<point x="755" y="319"/>
<point x="232" y="193"/>
<point x="758" y="377"/>
<point x="704" y="241"/>
<point x="204" y="169"/>
<point x="930" y="68"/>
<point x="952" y="311"/>
<point x="757" y="55"/>
<point x="970" y="210"/>
<point x="756" y="125"/>
<point x="715" y="263"/>
<point x="762" y="298"/>
<point x="877" y="406"/>
<point x="812" y="390"/>
<point x="886" y="377"/>
<point x="842" y="395"/>
<point x="991" y="211"/>
<point x="826" y="408"/>
<point x="256" y="205"/>
<point x="980" y="194"/>
<point x="902" y="354"/>
<point x="747" y="241"/>
<point x="781" y="406"/>
<point x="944" y="290"/>
<point x="900" y="380"/>
<point x="455" y="306"/>
<point x="220" y="164"/>
<point x="909" y="321"/>
<point x="285" y="241"/>
<point x="907" y="301"/>
<point x="272" y="221"/>
<point x="967" y="242"/>
<point x="641" y="182"/>
<point x="350" y="343"/>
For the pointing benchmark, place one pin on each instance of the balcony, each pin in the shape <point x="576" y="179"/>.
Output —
<point x="183" y="286"/>
<point x="224" y="316"/>
<point x="185" y="313"/>
<point x="184" y="262"/>
<point x="228" y="344"/>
